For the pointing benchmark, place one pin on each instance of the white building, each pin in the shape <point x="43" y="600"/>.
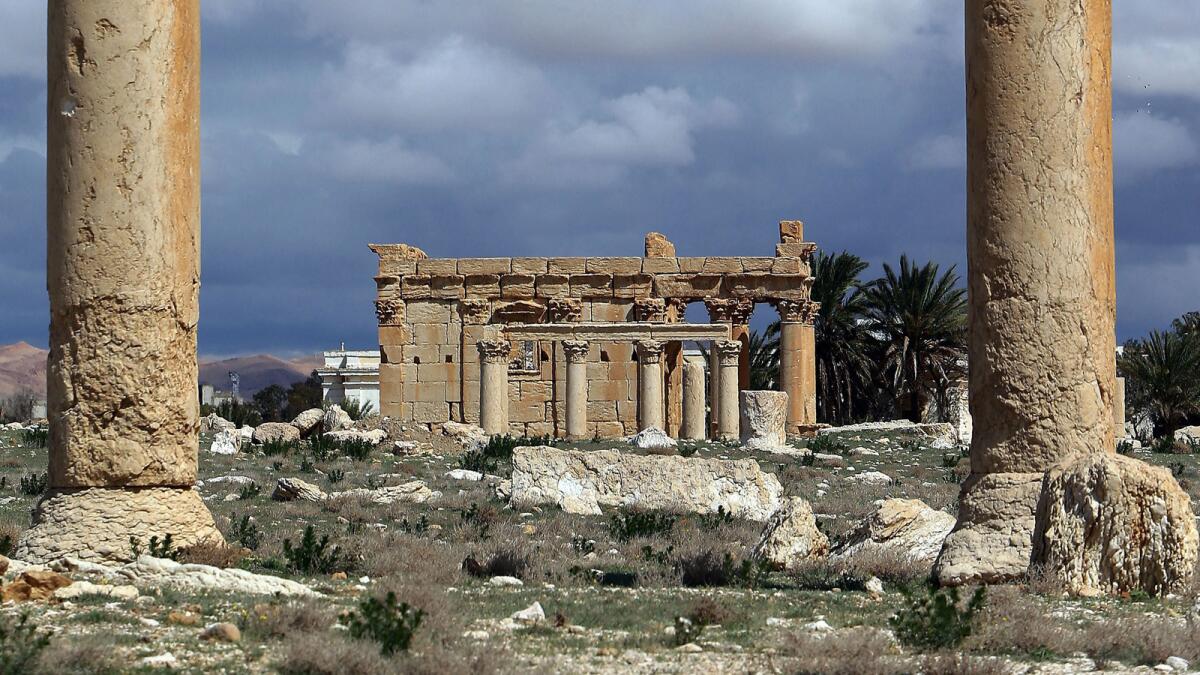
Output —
<point x="351" y="375"/>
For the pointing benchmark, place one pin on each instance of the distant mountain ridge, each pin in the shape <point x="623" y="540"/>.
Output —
<point x="23" y="366"/>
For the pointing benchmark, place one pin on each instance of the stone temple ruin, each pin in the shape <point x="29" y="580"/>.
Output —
<point x="1046" y="488"/>
<point x="587" y="347"/>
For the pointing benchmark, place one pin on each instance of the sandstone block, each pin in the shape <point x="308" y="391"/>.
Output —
<point x="212" y="424"/>
<point x="687" y="286"/>
<point x="553" y="286"/>
<point x="583" y="482"/>
<point x="484" y="266"/>
<point x="567" y="265"/>
<point x="1107" y="523"/>
<point x="226" y="442"/>
<point x="908" y="527"/>
<point x="447" y="286"/>
<point x="308" y="420"/>
<point x="291" y="489"/>
<point x="632" y="285"/>
<point x="691" y="265"/>
<point x="658" y="246"/>
<point x="336" y="419"/>
<point x="415" y="287"/>
<point x="993" y="539"/>
<point x="613" y="265"/>
<point x="591" y="285"/>
<point x="516" y="286"/>
<point x="791" y="537"/>
<point x="758" y="264"/>
<point x="533" y="266"/>
<point x="764" y="419"/>
<point x="482" y="285"/>
<point x="276" y="432"/>
<point x="435" y="266"/>
<point x="429" y="312"/>
<point x="791" y="232"/>
<point x="722" y="265"/>
<point x="660" y="266"/>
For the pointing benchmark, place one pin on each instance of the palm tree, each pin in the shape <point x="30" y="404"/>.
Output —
<point x="764" y="359"/>
<point x="1164" y="377"/>
<point x="843" y="343"/>
<point x="919" y="318"/>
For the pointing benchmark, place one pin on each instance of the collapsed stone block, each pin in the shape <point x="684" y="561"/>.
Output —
<point x="791" y="537"/>
<point x="764" y="419"/>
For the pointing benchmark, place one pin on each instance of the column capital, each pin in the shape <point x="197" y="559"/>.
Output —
<point x="650" y="310"/>
<point x="650" y="351"/>
<point x="734" y="311"/>
<point x="797" y="311"/>
<point x="494" y="351"/>
<point x="390" y="311"/>
<point x="576" y="351"/>
<point x="475" y="311"/>
<point x="564" y="310"/>
<point x="729" y="352"/>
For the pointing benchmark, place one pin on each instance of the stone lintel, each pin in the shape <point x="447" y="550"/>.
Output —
<point x="618" y="332"/>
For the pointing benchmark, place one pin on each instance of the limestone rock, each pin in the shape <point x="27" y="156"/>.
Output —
<point x="246" y="433"/>
<point x="828" y="460"/>
<point x="658" y="246"/>
<point x="374" y="436"/>
<point x="414" y="492"/>
<point x="336" y="419"/>
<point x="307" y="421"/>
<point x="226" y="442"/>
<point x="791" y="537"/>
<point x="276" y="432"/>
<point x="993" y="539"/>
<point x="583" y="482"/>
<point x="872" y="478"/>
<point x="1188" y="435"/>
<point x="34" y="585"/>
<point x="904" y="526"/>
<point x="466" y="434"/>
<point x="96" y="523"/>
<point x="653" y="438"/>
<point x="289" y="489"/>
<point x="160" y="572"/>
<point x="231" y="480"/>
<point x="1112" y="524"/>
<point x="464" y="474"/>
<point x="532" y="614"/>
<point x="221" y="632"/>
<point x="764" y="419"/>
<point x="81" y="589"/>
<point x="940" y="433"/>
<point x="214" y="423"/>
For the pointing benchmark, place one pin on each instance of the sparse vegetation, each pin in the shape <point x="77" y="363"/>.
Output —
<point x="34" y="484"/>
<point x="938" y="619"/>
<point x="21" y="643"/>
<point x="390" y="623"/>
<point x="312" y="555"/>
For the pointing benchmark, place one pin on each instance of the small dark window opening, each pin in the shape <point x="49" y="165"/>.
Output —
<point x="417" y="360"/>
<point x="604" y="356"/>
<point x="545" y="357"/>
<point x="449" y="358"/>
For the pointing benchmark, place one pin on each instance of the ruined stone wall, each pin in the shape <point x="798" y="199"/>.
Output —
<point x="433" y="312"/>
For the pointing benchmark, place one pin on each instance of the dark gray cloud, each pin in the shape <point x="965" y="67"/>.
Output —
<point x="547" y="128"/>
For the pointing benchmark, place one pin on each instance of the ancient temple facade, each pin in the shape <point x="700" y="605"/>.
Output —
<point x="588" y="347"/>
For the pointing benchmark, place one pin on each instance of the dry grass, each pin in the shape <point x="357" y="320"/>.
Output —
<point x="89" y="655"/>
<point x="278" y="620"/>
<point x="859" y="651"/>
<point x="215" y="554"/>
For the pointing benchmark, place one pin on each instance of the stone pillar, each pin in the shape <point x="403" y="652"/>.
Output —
<point x="576" y="352"/>
<point x="650" y="383"/>
<point x="729" y="356"/>
<point x="739" y="317"/>
<point x="714" y="388"/>
<point x="694" y="423"/>
<point x="1040" y="254"/>
<point x="123" y="254"/>
<point x="493" y="385"/>
<point x="764" y="420"/>
<point x="1119" y="409"/>
<point x="798" y="361"/>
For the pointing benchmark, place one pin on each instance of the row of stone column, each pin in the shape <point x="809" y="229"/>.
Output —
<point x="493" y="389"/>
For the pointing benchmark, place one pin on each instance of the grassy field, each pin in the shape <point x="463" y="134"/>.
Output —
<point x="757" y="624"/>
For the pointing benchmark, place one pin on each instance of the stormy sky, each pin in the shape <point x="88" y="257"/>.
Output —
<point x="541" y="127"/>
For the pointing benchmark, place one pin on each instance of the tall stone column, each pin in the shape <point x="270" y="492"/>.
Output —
<point x="650" y="383"/>
<point x="729" y="357"/>
<point x="1119" y="409"/>
<point x="694" y="422"/>
<point x="740" y="312"/>
<point x="493" y="385"/>
<point x="123" y="230"/>
<point x="1040" y="254"/>
<point x="798" y="361"/>
<point x="576" y="352"/>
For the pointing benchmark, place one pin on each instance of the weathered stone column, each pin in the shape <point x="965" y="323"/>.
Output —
<point x="728" y="355"/>
<point x="694" y="392"/>
<point x="1040" y="253"/>
<point x="576" y="352"/>
<point x="650" y="384"/>
<point x="740" y="312"/>
<point x="798" y="361"/>
<point x="493" y="385"/>
<point x="123" y="226"/>
<point x="1119" y="409"/>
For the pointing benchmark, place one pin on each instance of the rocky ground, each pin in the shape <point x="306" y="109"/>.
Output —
<point x="610" y="588"/>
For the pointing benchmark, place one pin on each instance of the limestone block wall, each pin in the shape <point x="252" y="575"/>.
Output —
<point x="433" y="312"/>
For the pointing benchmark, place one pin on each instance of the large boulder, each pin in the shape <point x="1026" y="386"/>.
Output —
<point x="213" y="423"/>
<point x="336" y="419"/>
<point x="791" y="537"/>
<point x="308" y="421"/>
<point x="938" y="434"/>
<point x="1187" y="435"/>
<point x="190" y="578"/>
<point x="290" y="489"/>
<point x="226" y="442"/>
<point x="764" y="419"/>
<point x="413" y="492"/>
<point x="907" y="527"/>
<point x="583" y="482"/>
<point x="652" y="438"/>
<point x="275" y="432"/>
<point x="1108" y="523"/>
<point x="466" y="434"/>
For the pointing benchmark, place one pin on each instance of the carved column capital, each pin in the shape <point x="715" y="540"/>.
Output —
<point x="740" y="311"/>
<point x="390" y="311"/>
<point x="650" y="351"/>
<point x="565" y="310"/>
<point x="718" y="310"/>
<point x="475" y="311"/>
<point x="650" y="310"/>
<point x="493" y="351"/>
<point x="679" y="305"/>
<point x="729" y="352"/>
<point x="735" y="311"/>
<point x="798" y="311"/>
<point x="576" y="351"/>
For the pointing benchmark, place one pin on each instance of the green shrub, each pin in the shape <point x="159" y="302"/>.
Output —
<point x="1164" y="445"/>
<point x="419" y="527"/>
<point x="245" y="532"/>
<point x="311" y="556"/>
<point x="633" y="524"/>
<point x="278" y="448"/>
<point x="825" y="444"/>
<point x="714" y="521"/>
<point x="35" y="438"/>
<point x="387" y="622"/>
<point x="20" y="644"/>
<point x="321" y="448"/>
<point x="495" y="457"/>
<point x="241" y="414"/>
<point x="481" y="519"/>
<point x="306" y="465"/>
<point x="707" y="569"/>
<point x="688" y="449"/>
<point x="1125" y="447"/>
<point x="34" y="484"/>
<point x="335" y="476"/>
<point x="938" y="620"/>
<point x="686" y="631"/>
<point x="504" y="563"/>
<point x="249" y="491"/>
<point x="357" y="450"/>
<point x="155" y="548"/>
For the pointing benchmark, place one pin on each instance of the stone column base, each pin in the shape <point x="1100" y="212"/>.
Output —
<point x="95" y="524"/>
<point x="993" y="539"/>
